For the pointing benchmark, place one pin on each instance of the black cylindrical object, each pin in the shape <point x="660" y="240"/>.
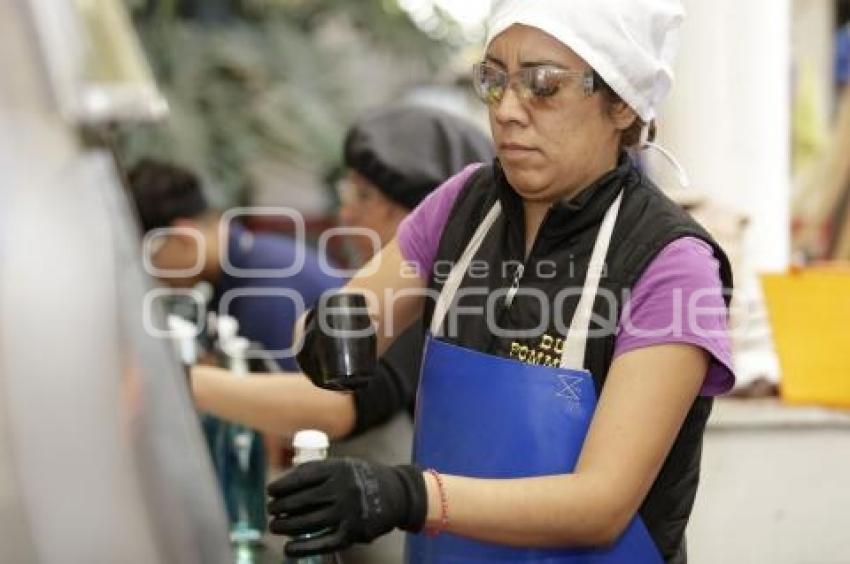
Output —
<point x="340" y="342"/>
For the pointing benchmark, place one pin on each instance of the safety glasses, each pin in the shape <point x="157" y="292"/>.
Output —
<point x="530" y="84"/>
<point x="351" y="193"/>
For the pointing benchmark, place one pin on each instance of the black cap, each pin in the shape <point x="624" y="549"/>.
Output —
<point x="408" y="151"/>
<point x="164" y="192"/>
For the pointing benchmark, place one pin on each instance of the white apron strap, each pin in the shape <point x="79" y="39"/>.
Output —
<point x="459" y="270"/>
<point x="572" y="357"/>
<point x="576" y="340"/>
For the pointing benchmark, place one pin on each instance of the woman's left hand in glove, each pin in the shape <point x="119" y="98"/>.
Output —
<point x="345" y="501"/>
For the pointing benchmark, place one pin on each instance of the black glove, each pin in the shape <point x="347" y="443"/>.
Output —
<point x="347" y="501"/>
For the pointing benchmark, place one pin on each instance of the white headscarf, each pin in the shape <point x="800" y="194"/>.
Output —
<point x="631" y="44"/>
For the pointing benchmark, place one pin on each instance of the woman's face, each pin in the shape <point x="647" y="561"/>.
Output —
<point x="365" y="207"/>
<point x="552" y="147"/>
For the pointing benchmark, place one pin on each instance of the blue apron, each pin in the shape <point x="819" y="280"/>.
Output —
<point x="483" y="416"/>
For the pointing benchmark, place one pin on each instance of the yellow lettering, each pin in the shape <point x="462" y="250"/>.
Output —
<point x="523" y="353"/>
<point x="514" y="349"/>
<point x="540" y="357"/>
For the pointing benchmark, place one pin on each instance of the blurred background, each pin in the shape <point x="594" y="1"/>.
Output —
<point x="263" y="91"/>
<point x="255" y="96"/>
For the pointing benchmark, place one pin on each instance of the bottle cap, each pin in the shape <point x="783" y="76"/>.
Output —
<point x="228" y="328"/>
<point x="235" y="347"/>
<point x="310" y="439"/>
<point x="183" y="333"/>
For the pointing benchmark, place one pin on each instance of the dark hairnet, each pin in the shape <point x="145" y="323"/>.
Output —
<point x="406" y="152"/>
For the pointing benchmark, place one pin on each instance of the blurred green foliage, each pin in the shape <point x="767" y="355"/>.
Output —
<point x="251" y="80"/>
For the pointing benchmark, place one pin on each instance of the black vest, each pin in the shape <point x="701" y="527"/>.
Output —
<point x="647" y="222"/>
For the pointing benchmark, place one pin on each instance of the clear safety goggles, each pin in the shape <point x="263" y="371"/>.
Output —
<point x="532" y="83"/>
<point x="352" y="193"/>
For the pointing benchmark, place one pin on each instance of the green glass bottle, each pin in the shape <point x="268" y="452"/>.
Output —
<point x="311" y="445"/>
<point x="242" y="466"/>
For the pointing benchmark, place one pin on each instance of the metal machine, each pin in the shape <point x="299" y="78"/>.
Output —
<point x="101" y="455"/>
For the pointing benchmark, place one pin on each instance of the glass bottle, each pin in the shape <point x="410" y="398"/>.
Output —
<point x="311" y="445"/>
<point x="241" y="462"/>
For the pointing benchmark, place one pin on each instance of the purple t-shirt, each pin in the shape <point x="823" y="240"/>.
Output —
<point x="677" y="299"/>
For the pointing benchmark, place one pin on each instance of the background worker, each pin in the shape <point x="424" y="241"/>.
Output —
<point x="170" y="197"/>
<point x="393" y="158"/>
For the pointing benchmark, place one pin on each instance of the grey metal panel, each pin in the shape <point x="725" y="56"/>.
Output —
<point x="101" y="455"/>
<point x="22" y="87"/>
<point x="66" y="373"/>
<point x="17" y="543"/>
<point x="177" y="475"/>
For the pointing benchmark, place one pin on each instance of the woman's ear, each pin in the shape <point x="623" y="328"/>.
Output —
<point x="190" y="234"/>
<point x="622" y="115"/>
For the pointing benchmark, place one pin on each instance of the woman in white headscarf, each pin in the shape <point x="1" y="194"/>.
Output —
<point x="578" y="320"/>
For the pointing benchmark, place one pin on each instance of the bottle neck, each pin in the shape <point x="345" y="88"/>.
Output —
<point x="305" y="455"/>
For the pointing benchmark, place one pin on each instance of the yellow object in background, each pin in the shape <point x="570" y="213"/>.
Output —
<point x="808" y="125"/>
<point x="810" y="316"/>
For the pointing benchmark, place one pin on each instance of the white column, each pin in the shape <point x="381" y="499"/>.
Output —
<point x="813" y="49"/>
<point x="728" y="116"/>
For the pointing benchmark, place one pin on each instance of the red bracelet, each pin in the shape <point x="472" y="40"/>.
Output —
<point x="434" y="530"/>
